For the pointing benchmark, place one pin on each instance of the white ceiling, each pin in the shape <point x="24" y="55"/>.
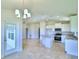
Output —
<point x="43" y="7"/>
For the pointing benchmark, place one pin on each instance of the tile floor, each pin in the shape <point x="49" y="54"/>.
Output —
<point x="34" y="50"/>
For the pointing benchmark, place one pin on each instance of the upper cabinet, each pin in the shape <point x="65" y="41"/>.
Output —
<point x="74" y="23"/>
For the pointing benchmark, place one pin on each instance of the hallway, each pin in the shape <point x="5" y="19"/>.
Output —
<point x="34" y="50"/>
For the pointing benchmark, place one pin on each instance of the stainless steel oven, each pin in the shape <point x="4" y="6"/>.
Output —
<point x="58" y="34"/>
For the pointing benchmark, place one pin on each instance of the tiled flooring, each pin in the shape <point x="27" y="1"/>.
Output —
<point x="34" y="50"/>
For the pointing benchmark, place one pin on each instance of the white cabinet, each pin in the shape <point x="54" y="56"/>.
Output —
<point x="74" y="23"/>
<point x="47" y="41"/>
<point x="63" y="37"/>
<point x="65" y="27"/>
<point x="71" y="47"/>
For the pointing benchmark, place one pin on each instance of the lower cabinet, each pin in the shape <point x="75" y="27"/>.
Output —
<point x="71" y="47"/>
<point x="47" y="41"/>
<point x="63" y="37"/>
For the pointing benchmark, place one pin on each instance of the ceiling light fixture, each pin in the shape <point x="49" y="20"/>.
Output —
<point x="26" y="14"/>
<point x="25" y="11"/>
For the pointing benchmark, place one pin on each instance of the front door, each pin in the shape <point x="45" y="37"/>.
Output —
<point x="39" y="33"/>
<point x="10" y="39"/>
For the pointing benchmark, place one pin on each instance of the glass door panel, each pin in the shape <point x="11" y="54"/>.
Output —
<point x="10" y="42"/>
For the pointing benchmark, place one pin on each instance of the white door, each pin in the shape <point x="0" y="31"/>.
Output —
<point x="10" y="41"/>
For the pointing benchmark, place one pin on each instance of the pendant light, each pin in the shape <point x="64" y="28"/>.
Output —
<point x="25" y="15"/>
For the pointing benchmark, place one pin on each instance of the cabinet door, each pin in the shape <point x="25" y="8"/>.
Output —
<point x="74" y="23"/>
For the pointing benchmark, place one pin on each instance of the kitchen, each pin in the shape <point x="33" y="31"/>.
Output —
<point x="52" y="30"/>
<point x="63" y="34"/>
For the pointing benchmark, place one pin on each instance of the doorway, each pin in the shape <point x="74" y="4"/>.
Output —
<point x="26" y="33"/>
<point x="39" y="33"/>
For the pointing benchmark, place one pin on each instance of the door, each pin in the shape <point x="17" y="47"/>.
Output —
<point x="39" y="33"/>
<point x="26" y="33"/>
<point x="10" y="39"/>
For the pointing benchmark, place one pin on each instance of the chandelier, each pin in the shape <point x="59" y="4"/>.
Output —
<point x="25" y="15"/>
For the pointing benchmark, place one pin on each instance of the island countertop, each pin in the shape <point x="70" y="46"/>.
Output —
<point x="71" y="37"/>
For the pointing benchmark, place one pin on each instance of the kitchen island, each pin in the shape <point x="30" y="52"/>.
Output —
<point x="71" y="45"/>
<point x="47" y="40"/>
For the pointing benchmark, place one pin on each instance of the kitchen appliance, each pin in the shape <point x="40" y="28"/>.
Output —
<point x="58" y="34"/>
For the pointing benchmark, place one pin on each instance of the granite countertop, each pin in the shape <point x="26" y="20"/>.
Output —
<point x="72" y="37"/>
<point x="67" y="33"/>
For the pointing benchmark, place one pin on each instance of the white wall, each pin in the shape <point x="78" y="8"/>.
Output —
<point x="42" y="28"/>
<point x="32" y="30"/>
<point x="8" y="16"/>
